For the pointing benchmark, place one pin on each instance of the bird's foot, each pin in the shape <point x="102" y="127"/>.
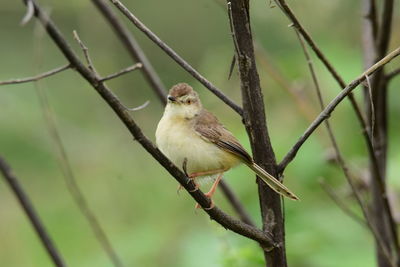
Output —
<point x="180" y="187"/>
<point x="209" y="195"/>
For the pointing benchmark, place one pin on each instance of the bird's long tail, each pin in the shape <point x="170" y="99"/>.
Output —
<point x="272" y="182"/>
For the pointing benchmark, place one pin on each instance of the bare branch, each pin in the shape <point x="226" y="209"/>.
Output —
<point x="372" y="108"/>
<point x="37" y="77"/>
<point x="145" y="104"/>
<point x="264" y="238"/>
<point x="256" y="127"/>
<point x="133" y="48"/>
<point x="176" y="57"/>
<point x="71" y="181"/>
<point x="235" y="202"/>
<point x="29" y="13"/>
<point x="85" y="52"/>
<point x="339" y="202"/>
<point x="121" y="72"/>
<point x="332" y="105"/>
<point x="289" y="13"/>
<point x="340" y="160"/>
<point x="30" y="211"/>
<point x="392" y="74"/>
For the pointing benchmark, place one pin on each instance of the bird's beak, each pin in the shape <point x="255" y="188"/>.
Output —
<point x="171" y="98"/>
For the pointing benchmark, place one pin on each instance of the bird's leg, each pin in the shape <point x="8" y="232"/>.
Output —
<point x="194" y="175"/>
<point x="197" y="174"/>
<point x="210" y="193"/>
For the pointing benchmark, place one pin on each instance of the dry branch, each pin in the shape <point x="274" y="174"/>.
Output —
<point x="256" y="126"/>
<point x="37" y="77"/>
<point x="332" y="105"/>
<point x="30" y="211"/>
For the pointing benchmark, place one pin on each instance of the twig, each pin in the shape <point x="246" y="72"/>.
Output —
<point x="133" y="48"/>
<point x="392" y="74"/>
<point x="121" y="72"/>
<point x="276" y="74"/>
<point x="372" y="108"/>
<point x="30" y="211"/>
<point x="338" y="201"/>
<point x="340" y="160"/>
<point x="29" y="13"/>
<point x="176" y="57"/>
<point x="71" y="182"/>
<point x="137" y="54"/>
<point x="85" y="52"/>
<point x="235" y="202"/>
<point x="332" y="105"/>
<point x="142" y="106"/>
<point x="37" y="77"/>
<point x="215" y="213"/>
<point x="289" y="13"/>
<point x="65" y="166"/>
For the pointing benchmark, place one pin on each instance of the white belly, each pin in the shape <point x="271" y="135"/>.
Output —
<point x="177" y="140"/>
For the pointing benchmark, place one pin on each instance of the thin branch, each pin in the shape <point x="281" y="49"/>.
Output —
<point x="121" y="72"/>
<point x="340" y="160"/>
<point x="372" y="107"/>
<point x="176" y="57"/>
<point x="71" y="181"/>
<point x="142" y="106"/>
<point x="264" y="238"/>
<point x="339" y="202"/>
<point x="30" y="211"/>
<point x="29" y="13"/>
<point x="37" y="77"/>
<point x="289" y="13"/>
<point x="235" y="202"/>
<point x="85" y="52"/>
<point x="392" y="74"/>
<point x="133" y="48"/>
<point x="332" y="105"/>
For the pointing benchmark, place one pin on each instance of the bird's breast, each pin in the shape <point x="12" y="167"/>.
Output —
<point x="178" y="140"/>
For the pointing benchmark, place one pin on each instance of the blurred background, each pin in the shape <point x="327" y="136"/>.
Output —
<point x="135" y="199"/>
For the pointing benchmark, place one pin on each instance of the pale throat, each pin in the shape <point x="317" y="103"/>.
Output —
<point x="182" y="112"/>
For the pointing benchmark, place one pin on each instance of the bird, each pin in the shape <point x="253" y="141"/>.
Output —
<point x="194" y="139"/>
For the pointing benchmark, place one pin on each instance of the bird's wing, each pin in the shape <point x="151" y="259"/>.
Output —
<point x="210" y="129"/>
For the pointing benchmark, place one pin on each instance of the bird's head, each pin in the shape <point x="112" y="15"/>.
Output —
<point x="183" y="102"/>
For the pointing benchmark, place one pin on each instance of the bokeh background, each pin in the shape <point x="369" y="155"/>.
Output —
<point x="135" y="199"/>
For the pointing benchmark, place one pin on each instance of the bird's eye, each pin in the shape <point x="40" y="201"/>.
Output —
<point x="188" y="101"/>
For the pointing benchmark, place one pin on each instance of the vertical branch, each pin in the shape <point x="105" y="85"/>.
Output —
<point x="255" y="122"/>
<point x="376" y="41"/>
<point x="30" y="211"/>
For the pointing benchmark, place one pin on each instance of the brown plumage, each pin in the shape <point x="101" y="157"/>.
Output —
<point x="188" y="132"/>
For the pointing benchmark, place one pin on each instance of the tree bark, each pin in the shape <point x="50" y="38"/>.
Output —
<point x="255" y="122"/>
